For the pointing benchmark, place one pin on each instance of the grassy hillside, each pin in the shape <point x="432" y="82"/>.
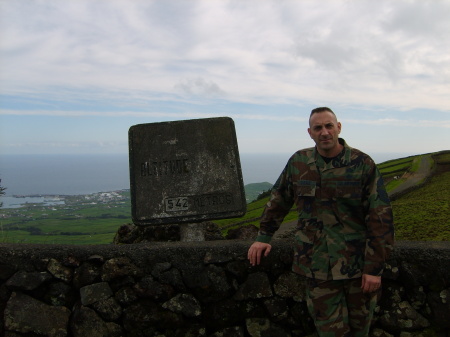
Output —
<point x="253" y="190"/>
<point x="423" y="214"/>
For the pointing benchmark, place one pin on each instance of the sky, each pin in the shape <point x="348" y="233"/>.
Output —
<point x="75" y="75"/>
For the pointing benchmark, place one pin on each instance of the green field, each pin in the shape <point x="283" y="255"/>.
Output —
<point x="79" y="221"/>
<point x="393" y="168"/>
<point x="419" y="215"/>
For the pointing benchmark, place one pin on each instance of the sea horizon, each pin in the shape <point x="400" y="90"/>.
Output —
<point x="81" y="174"/>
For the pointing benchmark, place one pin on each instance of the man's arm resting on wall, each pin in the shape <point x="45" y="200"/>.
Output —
<point x="280" y="203"/>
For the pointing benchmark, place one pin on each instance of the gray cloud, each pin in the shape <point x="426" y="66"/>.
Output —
<point x="419" y="18"/>
<point x="363" y="52"/>
<point x="199" y="86"/>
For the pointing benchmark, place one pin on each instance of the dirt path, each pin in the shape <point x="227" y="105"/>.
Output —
<point x="415" y="178"/>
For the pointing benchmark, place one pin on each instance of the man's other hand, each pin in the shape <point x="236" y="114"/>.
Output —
<point x="256" y="250"/>
<point x="370" y="283"/>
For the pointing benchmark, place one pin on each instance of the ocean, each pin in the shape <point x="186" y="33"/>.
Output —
<point x="63" y="174"/>
<point x="50" y="175"/>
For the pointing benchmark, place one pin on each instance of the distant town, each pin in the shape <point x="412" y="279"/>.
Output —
<point x="27" y="203"/>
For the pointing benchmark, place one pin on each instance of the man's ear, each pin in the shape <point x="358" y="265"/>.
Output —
<point x="309" y="132"/>
<point x="339" y="127"/>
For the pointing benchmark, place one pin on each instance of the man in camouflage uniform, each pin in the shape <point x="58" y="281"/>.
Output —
<point x="345" y="227"/>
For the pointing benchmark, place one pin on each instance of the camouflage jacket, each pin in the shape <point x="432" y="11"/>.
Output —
<point x="345" y="222"/>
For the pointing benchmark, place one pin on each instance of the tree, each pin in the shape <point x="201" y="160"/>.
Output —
<point x="2" y="191"/>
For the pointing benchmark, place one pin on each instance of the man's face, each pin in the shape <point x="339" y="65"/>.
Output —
<point x="324" y="129"/>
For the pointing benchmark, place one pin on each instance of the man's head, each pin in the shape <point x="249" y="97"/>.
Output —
<point x="319" y="110"/>
<point x="324" y="129"/>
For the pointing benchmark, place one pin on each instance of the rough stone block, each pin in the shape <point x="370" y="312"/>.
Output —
<point x="185" y="171"/>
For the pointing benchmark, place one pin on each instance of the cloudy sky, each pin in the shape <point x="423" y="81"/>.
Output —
<point x="76" y="74"/>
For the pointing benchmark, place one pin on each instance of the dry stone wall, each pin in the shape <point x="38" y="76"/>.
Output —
<point x="199" y="289"/>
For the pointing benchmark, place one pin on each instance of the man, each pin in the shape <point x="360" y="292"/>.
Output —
<point x="345" y="227"/>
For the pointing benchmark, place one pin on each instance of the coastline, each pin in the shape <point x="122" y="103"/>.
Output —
<point x="19" y="201"/>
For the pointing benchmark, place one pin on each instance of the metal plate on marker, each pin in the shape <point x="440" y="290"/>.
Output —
<point x="185" y="171"/>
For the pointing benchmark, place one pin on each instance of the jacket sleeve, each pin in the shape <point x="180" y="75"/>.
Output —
<point x="280" y="203"/>
<point x="379" y="222"/>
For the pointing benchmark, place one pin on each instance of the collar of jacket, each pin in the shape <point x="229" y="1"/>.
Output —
<point x="344" y="158"/>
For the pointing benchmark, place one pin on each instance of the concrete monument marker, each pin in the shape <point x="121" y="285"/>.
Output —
<point x="185" y="171"/>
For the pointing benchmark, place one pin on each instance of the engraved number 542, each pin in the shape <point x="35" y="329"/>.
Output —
<point x="176" y="204"/>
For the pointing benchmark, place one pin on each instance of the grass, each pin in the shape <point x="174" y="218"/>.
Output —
<point x="415" y="164"/>
<point x="397" y="167"/>
<point x="443" y="158"/>
<point x="423" y="214"/>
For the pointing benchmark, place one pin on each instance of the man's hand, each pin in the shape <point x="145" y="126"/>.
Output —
<point x="370" y="283"/>
<point x="256" y="250"/>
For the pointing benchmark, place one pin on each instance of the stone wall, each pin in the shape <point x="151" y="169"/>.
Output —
<point x="199" y="289"/>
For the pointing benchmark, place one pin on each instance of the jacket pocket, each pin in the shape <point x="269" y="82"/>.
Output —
<point x="306" y="192"/>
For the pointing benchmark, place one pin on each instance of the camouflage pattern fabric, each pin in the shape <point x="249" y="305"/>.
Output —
<point x="339" y="308"/>
<point x="345" y="222"/>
